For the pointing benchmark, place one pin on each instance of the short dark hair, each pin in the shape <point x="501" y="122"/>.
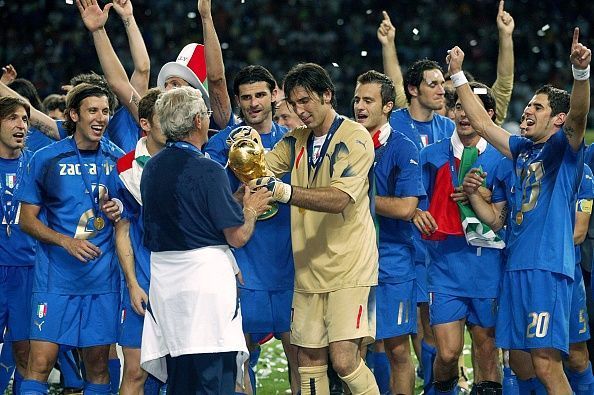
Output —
<point x="99" y="80"/>
<point x="26" y="89"/>
<point x="414" y="74"/>
<point x="252" y="74"/>
<point x="488" y="98"/>
<point x="450" y="98"/>
<point x="388" y="92"/>
<point x="74" y="99"/>
<point x="311" y="77"/>
<point x="558" y="98"/>
<point x="146" y="106"/>
<point x="9" y="104"/>
<point x="54" y="101"/>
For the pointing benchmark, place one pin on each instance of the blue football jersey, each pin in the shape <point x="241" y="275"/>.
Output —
<point x="18" y="249"/>
<point x="422" y="134"/>
<point x="548" y="175"/>
<point x="456" y="268"/>
<point x="585" y="192"/>
<point x="123" y="130"/>
<point x="53" y="181"/>
<point x="398" y="174"/>
<point x="266" y="261"/>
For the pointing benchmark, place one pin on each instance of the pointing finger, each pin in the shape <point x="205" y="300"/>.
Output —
<point x="501" y="6"/>
<point x="576" y="36"/>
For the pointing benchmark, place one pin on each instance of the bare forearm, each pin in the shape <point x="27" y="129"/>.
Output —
<point x="491" y="214"/>
<point x="39" y="120"/>
<point x="392" y="70"/>
<point x="140" y="56"/>
<point x="125" y="252"/>
<point x="114" y="72"/>
<point x="215" y="69"/>
<point x="329" y="200"/>
<point x="38" y="230"/>
<point x="238" y="236"/>
<point x="397" y="208"/>
<point x="482" y="123"/>
<point x="505" y="58"/>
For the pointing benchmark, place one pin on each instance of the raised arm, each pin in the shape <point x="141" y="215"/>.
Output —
<point x="142" y="63"/>
<point x="503" y="86"/>
<point x="215" y="68"/>
<point x="476" y="113"/>
<point x="94" y="19"/>
<point x="579" y="104"/>
<point x="38" y="119"/>
<point x="386" y="34"/>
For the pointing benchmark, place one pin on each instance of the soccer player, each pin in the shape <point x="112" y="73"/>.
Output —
<point x="398" y="187"/>
<point x="134" y="257"/>
<point x="332" y="231"/>
<point x="17" y="249"/>
<point x="463" y="277"/>
<point x="190" y="219"/>
<point x="123" y="128"/>
<point x="421" y="123"/>
<point x="536" y="287"/>
<point x="78" y="282"/>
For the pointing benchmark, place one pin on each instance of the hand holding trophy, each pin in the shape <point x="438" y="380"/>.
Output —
<point x="246" y="159"/>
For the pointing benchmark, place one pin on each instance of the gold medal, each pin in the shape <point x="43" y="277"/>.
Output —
<point x="519" y="217"/>
<point x="99" y="223"/>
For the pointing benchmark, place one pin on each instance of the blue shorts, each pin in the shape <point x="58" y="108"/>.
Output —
<point x="579" y="329"/>
<point x="266" y="311"/>
<point x="131" y="323"/>
<point x="534" y="309"/>
<point x="15" y="301"/>
<point x="422" y="293"/>
<point x="75" y="320"/>
<point x="445" y="308"/>
<point x="396" y="309"/>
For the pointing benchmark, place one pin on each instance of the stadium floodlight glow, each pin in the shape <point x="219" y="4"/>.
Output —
<point x="363" y="53"/>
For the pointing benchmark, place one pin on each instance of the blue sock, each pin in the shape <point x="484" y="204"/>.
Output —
<point x="152" y="385"/>
<point x="69" y="369"/>
<point x="114" y="366"/>
<point x="16" y="383"/>
<point x="428" y="354"/>
<point x="381" y="371"/>
<point x="582" y="383"/>
<point x="252" y="375"/>
<point x="6" y="366"/>
<point x="34" y="387"/>
<point x="97" y="389"/>
<point x="532" y="386"/>
<point x="510" y="383"/>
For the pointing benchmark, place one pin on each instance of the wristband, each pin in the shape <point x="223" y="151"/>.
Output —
<point x="580" y="74"/>
<point x="287" y="193"/>
<point x="458" y="79"/>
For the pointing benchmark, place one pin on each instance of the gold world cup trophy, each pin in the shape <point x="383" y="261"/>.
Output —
<point x="246" y="159"/>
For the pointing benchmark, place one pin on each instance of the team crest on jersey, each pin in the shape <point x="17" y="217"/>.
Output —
<point x="10" y="181"/>
<point x="425" y="140"/>
<point x="41" y="310"/>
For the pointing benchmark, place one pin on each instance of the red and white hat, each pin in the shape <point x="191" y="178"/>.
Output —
<point x="190" y="66"/>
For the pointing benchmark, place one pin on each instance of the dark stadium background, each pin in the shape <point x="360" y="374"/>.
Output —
<point x="47" y="43"/>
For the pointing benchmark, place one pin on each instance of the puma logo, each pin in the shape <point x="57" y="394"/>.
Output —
<point x="39" y="324"/>
<point x="6" y="367"/>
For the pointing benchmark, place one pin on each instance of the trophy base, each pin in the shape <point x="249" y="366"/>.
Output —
<point x="269" y="213"/>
